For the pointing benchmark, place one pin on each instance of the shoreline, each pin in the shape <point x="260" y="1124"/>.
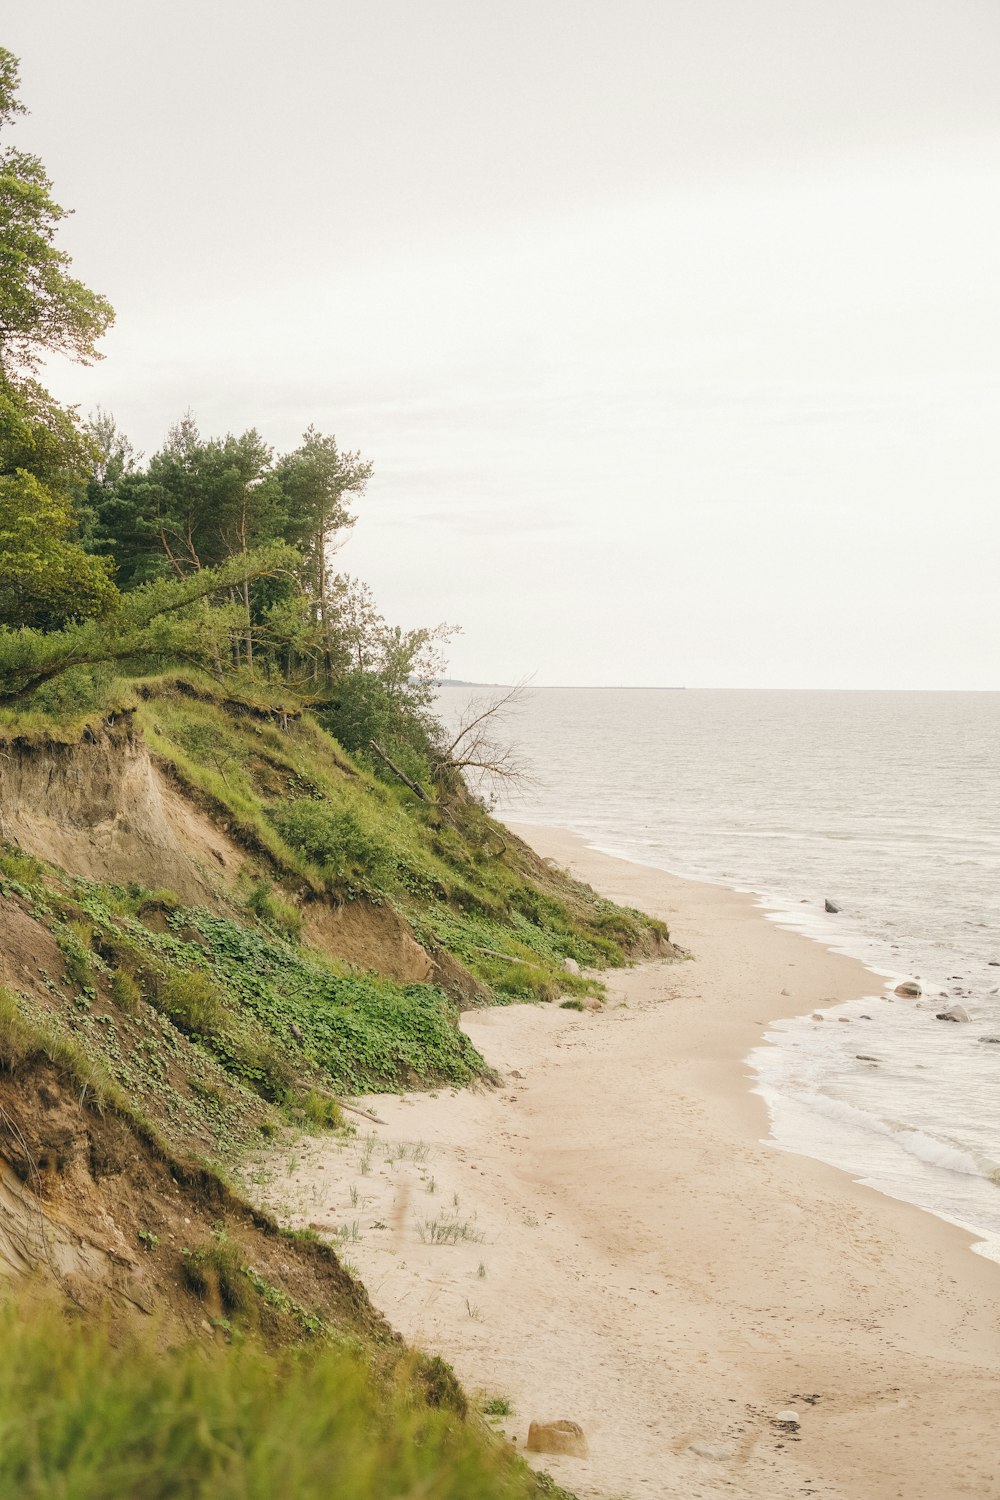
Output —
<point x="607" y="1238"/>
<point x="803" y="920"/>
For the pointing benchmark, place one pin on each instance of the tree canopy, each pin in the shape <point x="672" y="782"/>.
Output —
<point x="215" y="552"/>
<point x="43" y="309"/>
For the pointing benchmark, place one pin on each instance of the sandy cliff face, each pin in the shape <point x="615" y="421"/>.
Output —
<point x="104" y="810"/>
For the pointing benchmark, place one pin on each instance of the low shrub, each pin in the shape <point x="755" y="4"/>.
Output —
<point x="191" y="1001"/>
<point x="333" y="841"/>
<point x="273" y="910"/>
<point x="124" y="991"/>
<point x="215" y="1273"/>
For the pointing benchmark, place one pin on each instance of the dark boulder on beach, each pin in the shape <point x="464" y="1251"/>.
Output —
<point x="909" y="990"/>
<point x="831" y="906"/>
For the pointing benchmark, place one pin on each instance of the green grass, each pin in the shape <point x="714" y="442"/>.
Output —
<point x="291" y="794"/>
<point x="266" y="1015"/>
<point x="87" y="1417"/>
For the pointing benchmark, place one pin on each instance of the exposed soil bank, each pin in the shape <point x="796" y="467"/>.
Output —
<point x="628" y="1253"/>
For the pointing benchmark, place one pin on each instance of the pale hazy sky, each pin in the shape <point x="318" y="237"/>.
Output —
<point x="673" y="328"/>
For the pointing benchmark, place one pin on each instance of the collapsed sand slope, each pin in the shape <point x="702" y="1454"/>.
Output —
<point x="620" y="1249"/>
<point x="104" y="810"/>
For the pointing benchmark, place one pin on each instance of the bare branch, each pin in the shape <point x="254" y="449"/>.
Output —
<point x="478" y="746"/>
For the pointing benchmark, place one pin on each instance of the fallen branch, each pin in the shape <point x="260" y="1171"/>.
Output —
<point x="414" y="786"/>
<point x="352" y="1109"/>
<point x="507" y="958"/>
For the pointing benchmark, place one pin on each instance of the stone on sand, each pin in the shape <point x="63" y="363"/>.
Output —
<point x="719" y="1451"/>
<point x="557" y="1437"/>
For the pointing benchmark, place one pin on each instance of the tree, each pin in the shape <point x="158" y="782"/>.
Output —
<point x="43" y="309"/>
<point x="168" y="620"/>
<point x="479" y="746"/>
<point x="315" y="480"/>
<point x="46" y="578"/>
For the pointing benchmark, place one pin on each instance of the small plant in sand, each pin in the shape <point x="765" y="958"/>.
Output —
<point x="416" y="1151"/>
<point x="475" y="1313"/>
<point x="349" y="1233"/>
<point x="448" y="1232"/>
<point x="496" y="1406"/>
<point x="481" y="1271"/>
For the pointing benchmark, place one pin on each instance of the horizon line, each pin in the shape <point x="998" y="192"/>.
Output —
<point x="654" y="687"/>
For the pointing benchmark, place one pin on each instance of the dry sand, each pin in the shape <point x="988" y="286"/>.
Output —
<point x="628" y="1253"/>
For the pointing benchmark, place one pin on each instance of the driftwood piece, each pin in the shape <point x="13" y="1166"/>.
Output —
<point x="507" y="958"/>
<point x="352" y="1109"/>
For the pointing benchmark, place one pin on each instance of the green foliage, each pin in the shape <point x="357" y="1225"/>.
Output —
<point x="43" y="310"/>
<point x="46" y="578"/>
<point x="334" y="842"/>
<point x="496" y="1406"/>
<point x="365" y="1034"/>
<point x="99" y="1418"/>
<point x="278" y="914"/>
<point x="19" y="871"/>
<point x="215" y="1273"/>
<point x="319" y="1109"/>
<point x="124" y="991"/>
<point x="191" y="1001"/>
<point x="23" y="1036"/>
<point x="41" y="437"/>
<point x="160" y="621"/>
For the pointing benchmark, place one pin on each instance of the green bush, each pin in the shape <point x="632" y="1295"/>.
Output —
<point x="332" y="840"/>
<point x="191" y="1001"/>
<point x="216" y="1274"/>
<point x="277" y="913"/>
<point x="124" y="991"/>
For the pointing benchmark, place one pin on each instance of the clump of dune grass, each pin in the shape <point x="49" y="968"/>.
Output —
<point x="92" y="1417"/>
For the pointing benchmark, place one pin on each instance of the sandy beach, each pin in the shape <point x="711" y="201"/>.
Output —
<point x="609" y="1237"/>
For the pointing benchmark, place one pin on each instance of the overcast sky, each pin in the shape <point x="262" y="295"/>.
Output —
<point x="673" y="328"/>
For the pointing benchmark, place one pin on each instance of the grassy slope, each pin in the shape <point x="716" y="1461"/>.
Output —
<point x="192" y="1032"/>
<point x="86" y="1419"/>
<point x="325" y="825"/>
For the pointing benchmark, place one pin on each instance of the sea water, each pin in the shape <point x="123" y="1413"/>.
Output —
<point x="887" y="804"/>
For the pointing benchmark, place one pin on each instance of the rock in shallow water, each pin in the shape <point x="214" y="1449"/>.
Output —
<point x="909" y="990"/>
<point x="831" y="906"/>
<point x="953" y="1013"/>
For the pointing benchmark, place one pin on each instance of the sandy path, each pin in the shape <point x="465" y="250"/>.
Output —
<point x="627" y="1253"/>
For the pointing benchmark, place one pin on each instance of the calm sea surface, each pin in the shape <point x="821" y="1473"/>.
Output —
<point x="886" y="803"/>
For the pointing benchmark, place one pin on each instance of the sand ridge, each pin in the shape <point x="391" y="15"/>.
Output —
<point x="607" y="1237"/>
